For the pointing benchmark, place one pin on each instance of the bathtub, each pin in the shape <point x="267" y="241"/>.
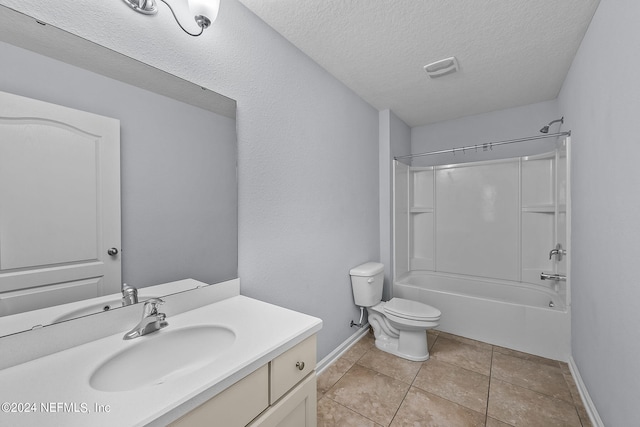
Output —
<point x="508" y="314"/>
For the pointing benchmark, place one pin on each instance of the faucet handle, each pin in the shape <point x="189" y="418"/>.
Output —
<point x="558" y="252"/>
<point x="151" y="306"/>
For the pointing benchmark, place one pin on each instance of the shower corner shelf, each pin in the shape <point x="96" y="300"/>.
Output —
<point x="420" y="209"/>
<point x="546" y="208"/>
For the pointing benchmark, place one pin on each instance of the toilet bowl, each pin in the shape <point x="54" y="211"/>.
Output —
<point x="399" y="325"/>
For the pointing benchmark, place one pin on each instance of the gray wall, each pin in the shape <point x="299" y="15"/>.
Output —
<point x="499" y="125"/>
<point x="601" y="102"/>
<point x="308" y="149"/>
<point x="178" y="169"/>
<point x="395" y="140"/>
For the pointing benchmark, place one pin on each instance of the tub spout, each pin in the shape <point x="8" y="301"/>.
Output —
<point x="556" y="277"/>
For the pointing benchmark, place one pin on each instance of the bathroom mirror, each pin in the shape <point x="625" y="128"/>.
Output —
<point x="178" y="151"/>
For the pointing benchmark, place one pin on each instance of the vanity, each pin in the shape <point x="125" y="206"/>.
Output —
<point x="224" y="359"/>
<point x="280" y="393"/>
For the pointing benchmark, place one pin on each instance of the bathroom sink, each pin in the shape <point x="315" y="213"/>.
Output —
<point x="93" y="308"/>
<point x="162" y="356"/>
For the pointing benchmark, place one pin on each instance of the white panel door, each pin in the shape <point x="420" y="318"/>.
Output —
<point x="59" y="199"/>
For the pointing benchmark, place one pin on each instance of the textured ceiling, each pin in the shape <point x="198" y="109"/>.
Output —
<point x="510" y="52"/>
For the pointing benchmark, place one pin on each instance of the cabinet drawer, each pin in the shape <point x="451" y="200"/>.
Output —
<point x="291" y="367"/>
<point x="235" y="406"/>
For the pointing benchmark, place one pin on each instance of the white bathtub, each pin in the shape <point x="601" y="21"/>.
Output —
<point x="508" y="314"/>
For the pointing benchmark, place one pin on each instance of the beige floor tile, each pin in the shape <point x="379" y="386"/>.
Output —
<point x="332" y="374"/>
<point x="424" y="409"/>
<point x="396" y="367"/>
<point x="533" y="375"/>
<point x="464" y="340"/>
<point x="369" y="337"/>
<point x="369" y="393"/>
<point x="366" y="387"/>
<point x="584" y="417"/>
<point x="565" y="368"/>
<point x="573" y="388"/>
<point x="432" y="336"/>
<point x="577" y="399"/>
<point x="492" y="422"/>
<point x="332" y="414"/>
<point x="359" y="349"/>
<point x="468" y="356"/>
<point x="519" y="406"/>
<point x="527" y="356"/>
<point x="459" y="385"/>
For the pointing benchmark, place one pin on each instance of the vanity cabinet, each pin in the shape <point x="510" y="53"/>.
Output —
<point x="292" y="405"/>
<point x="298" y="408"/>
<point x="281" y="393"/>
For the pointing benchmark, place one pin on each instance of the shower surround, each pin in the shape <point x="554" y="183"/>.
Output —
<point x="472" y="239"/>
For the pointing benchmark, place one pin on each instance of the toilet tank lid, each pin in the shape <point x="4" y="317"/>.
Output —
<point x="367" y="269"/>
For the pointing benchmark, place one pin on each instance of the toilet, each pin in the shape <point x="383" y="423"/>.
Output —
<point x="399" y="325"/>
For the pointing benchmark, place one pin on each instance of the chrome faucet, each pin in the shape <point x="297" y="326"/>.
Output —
<point x="151" y="320"/>
<point x="129" y="295"/>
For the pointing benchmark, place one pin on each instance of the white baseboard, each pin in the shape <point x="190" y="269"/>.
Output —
<point x="584" y="394"/>
<point x="341" y="349"/>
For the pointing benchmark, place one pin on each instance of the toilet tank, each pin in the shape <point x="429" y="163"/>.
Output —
<point x="366" y="282"/>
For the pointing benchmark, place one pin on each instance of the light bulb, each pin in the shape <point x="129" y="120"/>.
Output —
<point x="205" y="11"/>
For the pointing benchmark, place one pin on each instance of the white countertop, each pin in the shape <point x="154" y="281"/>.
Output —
<point x="46" y="316"/>
<point x="59" y="382"/>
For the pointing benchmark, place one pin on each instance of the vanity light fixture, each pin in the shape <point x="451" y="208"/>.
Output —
<point x="206" y="11"/>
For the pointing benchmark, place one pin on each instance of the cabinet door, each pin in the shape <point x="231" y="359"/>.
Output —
<point x="297" y="409"/>
<point x="234" y="407"/>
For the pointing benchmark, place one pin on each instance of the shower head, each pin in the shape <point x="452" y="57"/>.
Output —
<point x="545" y="129"/>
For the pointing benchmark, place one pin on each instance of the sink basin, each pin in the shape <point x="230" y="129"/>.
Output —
<point x="162" y="356"/>
<point x="93" y="308"/>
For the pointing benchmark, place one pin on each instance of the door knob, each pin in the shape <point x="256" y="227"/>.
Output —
<point x="112" y="252"/>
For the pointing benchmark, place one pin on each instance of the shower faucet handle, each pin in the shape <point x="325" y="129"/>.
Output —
<point x="558" y="252"/>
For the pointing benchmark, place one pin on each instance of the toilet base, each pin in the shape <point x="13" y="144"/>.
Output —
<point x="414" y="349"/>
<point x="410" y="344"/>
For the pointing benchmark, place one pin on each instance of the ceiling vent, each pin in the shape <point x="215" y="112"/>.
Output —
<point x="442" y="68"/>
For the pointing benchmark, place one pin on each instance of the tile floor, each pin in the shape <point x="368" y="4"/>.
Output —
<point x="464" y="383"/>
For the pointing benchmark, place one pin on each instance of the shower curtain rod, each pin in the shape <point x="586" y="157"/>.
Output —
<point x="485" y="146"/>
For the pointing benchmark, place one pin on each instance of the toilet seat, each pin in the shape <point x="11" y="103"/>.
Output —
<point x="411" y="310"/>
